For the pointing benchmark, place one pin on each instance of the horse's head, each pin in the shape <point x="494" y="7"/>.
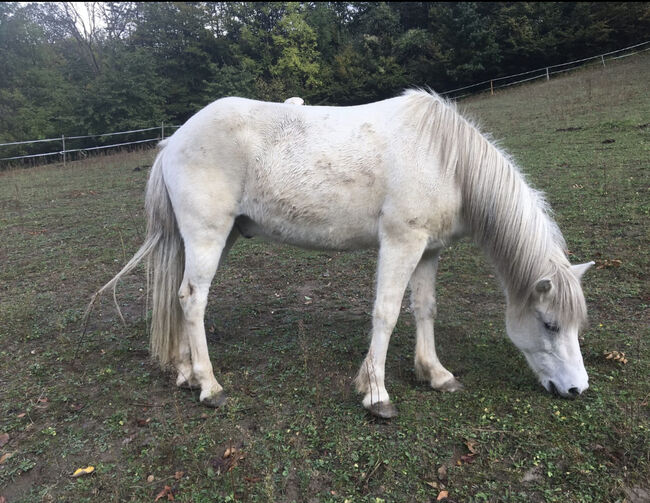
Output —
<point x="548" y="337"/>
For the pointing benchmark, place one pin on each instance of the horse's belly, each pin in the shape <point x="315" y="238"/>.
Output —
<point x="316" y="199"/>
<point x="339" y="220"/>
<point x="309" y="228"/>
<point x="320" y="238"/>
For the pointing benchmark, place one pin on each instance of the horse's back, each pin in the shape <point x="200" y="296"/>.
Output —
<point x="311" y="176"/>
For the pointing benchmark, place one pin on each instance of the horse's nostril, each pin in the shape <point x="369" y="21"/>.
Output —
<point x="574" y="392"/>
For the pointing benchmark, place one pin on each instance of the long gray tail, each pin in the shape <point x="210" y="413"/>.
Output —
<point x="164" y="254"/>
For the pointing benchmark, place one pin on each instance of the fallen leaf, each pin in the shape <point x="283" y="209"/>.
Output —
<point x="471" y="445"/>
<point x="83" y="471"/>
<point x="22" y="414"/>
<point x="442" y="495"/>
<point x="617" y="356"/>
<point x="432" y="484"/>
<point x="167" y="491"/>
<point x="150" y="478"/>
<point x="143" y="422"/>
<point x="178" y="475"/>
<point x="469" y="458"/>
<point x="3" y="499"/>
<point x="442" y="473"/>
<point x="5" y="457"/>
<point x="228" y="461"/>
<point x="252" y="480"/>
<point x="4" y="438"/>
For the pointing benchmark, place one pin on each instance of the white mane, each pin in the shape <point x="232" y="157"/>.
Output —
<point x="507" y="218"/>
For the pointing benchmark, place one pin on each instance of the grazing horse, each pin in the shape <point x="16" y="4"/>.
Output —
<point x="408" y="175"/>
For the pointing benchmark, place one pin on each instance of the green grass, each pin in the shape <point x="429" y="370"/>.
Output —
<point x="68" y="401"/>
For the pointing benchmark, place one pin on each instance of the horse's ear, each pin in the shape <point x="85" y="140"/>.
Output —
<point x="542" y="288"/>
<point x="580" y="269"/>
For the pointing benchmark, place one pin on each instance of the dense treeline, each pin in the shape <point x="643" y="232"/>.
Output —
<point x="138" y="64"/>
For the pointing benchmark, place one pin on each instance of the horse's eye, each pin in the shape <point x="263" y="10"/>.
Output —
<point x="551" y="327"/>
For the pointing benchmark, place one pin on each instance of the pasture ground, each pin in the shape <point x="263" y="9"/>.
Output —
<point x="288" y="328"/>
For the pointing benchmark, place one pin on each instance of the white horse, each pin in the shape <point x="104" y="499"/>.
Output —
<point x="408" y="175"/>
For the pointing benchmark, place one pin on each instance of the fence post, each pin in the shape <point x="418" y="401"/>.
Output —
<point x="63" y="151"/>
<point x="602" y="57"/>
<point x="492" y="88"/>
<point x="548" y="77"/>
<point x="162" y="130"/>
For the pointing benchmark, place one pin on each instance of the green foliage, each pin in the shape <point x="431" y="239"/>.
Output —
<point x="297" y="64"/>
<point x="132" y="97"/>
<point x="142" y="62"/>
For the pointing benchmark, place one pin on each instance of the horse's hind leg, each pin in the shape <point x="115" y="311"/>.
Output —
<point x="183" y="361"/>
<point x="204" y="247"/>
<point x="423" y="302"/>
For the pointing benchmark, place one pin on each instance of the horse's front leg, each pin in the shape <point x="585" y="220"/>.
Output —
<point x="397" y="260"/>
<point x="423" y="302"/>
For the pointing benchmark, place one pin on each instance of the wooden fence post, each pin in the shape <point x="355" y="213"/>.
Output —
<point x="548" y="77"/>
<point x="603" y="60"/>
<point x="492" y="88"/>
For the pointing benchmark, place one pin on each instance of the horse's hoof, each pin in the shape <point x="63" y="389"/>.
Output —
<point x="215" y="401"/>
<point x="385" y="410"/>
<point x="450" y="386"/>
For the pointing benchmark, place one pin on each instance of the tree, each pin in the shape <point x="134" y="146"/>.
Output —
<point x="33" y="90"/>
<point x="297" y="67"/>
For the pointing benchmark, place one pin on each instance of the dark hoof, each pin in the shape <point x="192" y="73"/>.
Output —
<point x="215" y="401"/>
<point x="385" y="410"/>
<point x="451" y="386"/>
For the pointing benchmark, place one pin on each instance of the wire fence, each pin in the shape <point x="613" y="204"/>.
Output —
<point x="545" y="72"/>
<point x="70" y="151"/>
<point x="135" y="136"/>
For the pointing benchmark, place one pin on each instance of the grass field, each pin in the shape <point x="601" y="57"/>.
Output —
<point x="288" y="328"/>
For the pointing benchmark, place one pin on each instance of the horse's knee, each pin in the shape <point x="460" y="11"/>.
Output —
<point x="191" y="300"/>
<point x="184" y="293"/>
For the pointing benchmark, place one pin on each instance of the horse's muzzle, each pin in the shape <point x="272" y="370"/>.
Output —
<point x="571" y="394"/>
